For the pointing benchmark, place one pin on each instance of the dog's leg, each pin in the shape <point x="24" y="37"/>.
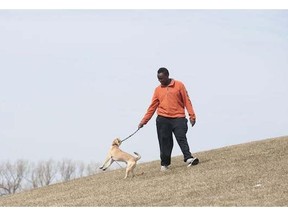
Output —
<point x="107" y="163"/>
<point x="126" y="174"/>
<point x="130" y="169"/>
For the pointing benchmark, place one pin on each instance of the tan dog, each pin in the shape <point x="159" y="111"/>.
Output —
<point x="116" y="154"/>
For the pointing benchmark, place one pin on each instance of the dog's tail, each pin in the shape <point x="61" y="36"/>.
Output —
<point x="138" y="156"/>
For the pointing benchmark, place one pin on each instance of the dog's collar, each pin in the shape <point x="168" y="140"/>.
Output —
<point x="114" y="144"/>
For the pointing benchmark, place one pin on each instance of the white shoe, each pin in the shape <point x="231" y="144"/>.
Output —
<point x="192" y="161"/>
<point x="164" y="168"/>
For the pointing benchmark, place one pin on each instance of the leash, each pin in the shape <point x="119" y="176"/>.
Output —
<point x="130" y="135"/>
<point x="118" y="164"/>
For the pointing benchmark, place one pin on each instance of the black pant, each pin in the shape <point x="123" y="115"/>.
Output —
<point x="166" y="127"/>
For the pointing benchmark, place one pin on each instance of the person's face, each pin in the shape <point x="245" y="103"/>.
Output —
<point x="163" y="79"/>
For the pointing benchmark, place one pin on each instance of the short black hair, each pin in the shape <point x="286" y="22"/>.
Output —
<point x="163" y="70"/>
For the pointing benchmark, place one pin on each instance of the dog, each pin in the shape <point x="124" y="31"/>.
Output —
<point x="116" y="154"/>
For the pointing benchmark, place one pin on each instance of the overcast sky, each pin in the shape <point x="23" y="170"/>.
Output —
<point x="73" y="80"/>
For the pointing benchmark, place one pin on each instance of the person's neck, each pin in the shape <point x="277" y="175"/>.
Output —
<point x="168" y="82"/>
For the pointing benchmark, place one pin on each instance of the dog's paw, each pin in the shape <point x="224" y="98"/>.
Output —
<point x="102" y="168"/>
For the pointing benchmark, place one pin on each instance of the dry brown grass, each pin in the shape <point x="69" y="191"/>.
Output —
<point x="251" y="174"/>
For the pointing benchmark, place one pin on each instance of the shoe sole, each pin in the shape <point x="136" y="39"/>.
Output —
<point x="194" y="162"/>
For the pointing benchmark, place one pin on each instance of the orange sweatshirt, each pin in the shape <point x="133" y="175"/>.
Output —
<point x="170" y="101"/>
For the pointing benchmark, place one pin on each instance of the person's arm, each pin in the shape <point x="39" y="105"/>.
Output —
<point x="150" y="111"/>
<point x="188" y="105"/>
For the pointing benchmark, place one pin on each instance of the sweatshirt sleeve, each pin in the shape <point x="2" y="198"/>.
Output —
<point x="188" y="103"/>
<point x="151" y="109"/>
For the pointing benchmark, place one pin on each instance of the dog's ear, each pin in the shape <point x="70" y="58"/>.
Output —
<point x="118" y="141"/>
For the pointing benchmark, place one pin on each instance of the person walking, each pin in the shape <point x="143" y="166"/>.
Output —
<point x="170" y="99"/>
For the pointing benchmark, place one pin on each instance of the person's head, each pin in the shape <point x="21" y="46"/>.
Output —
<point x="163" y="76"/>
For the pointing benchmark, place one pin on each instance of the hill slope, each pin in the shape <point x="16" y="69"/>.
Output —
<point x="251" y="174"/>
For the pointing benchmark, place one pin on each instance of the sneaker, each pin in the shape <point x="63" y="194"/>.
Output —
<point x="192" y="161"/>
<point x="164" y="168"/>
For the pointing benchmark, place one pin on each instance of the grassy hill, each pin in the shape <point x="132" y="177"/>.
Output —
<point x="250" y="174"/>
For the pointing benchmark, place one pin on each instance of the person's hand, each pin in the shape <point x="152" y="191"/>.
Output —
<point x="140" y="125"/>
<point x="193" y="122"/>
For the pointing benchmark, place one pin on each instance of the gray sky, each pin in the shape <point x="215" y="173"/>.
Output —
<point x="73" y="80"/>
